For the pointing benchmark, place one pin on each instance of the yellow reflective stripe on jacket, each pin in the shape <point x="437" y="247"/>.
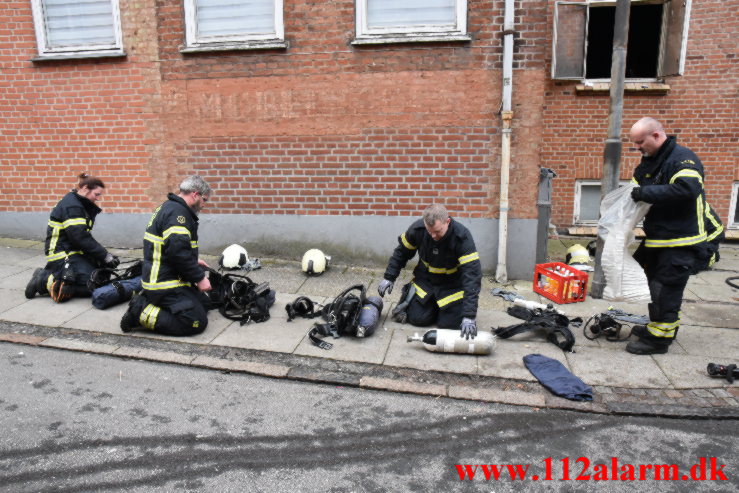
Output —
<point x="69" y="222"/>
<point x="419" y="292"/>
<point x="687" y="173"/>
<point x="633" y="180"/>
<point x="719" y="228"/>
<point x="663" y="329"/>
<point x="175" y="230"/>
<point x="468" y="258"/>
<point x="193" y="244"/>
<point x="452" y="297"/>
<point x="153" y="238"/>
<point x="701" y="215"/>
<point x="406" y="243"/>
<point x="439" y="270"/>
<point x="676" y="242"/>
<point x="61" y="255"/>
<point x="157" y="243"/>
<point x="153" y="286"/>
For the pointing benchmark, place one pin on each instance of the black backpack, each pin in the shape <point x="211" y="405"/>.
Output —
<point x="239" y="298"/>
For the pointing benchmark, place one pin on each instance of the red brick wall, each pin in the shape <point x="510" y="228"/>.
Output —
<point x="700" y="108"/>
<point x="323" y="127"/>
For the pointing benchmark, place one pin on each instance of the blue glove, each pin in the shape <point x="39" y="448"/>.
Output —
<point x="636" y="195"/>
<point x="468" y="328"/>
<point x="385" y="287"/>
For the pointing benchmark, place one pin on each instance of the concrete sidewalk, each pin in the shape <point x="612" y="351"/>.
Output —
<point x="674" y="384"/>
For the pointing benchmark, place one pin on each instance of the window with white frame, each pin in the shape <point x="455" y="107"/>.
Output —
<point x="234" y="24"/>
<point x="583" y="39"/>
<point x="411" y="19"/>
<point x="734" y="209"/>
<point x="77" y="28"/>
<point x="587" y="201"/>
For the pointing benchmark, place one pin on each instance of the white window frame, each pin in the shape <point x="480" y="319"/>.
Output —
<point x="671" y="60"/>
<point x="195" y="42"/>
<point x="395" y="34"/>
<point x="732" y="207"/>
<point x="76" y="51"/>
<point x="578" y="193"/>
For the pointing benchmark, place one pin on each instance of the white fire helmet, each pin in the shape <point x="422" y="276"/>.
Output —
<point x="233" y="257"/>
<point x="315" y="262"/>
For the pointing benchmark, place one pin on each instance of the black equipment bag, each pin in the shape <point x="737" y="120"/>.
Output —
<point x="239" y="298"/>
<point x="341" y="315"/>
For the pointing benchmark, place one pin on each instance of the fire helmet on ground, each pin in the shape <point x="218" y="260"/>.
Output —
<point x="233" y="257"/>
<point x="577" y="255"/>
<point x="314" y="262"/>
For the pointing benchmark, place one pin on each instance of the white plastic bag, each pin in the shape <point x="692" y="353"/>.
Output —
<point x="619" y="214"/>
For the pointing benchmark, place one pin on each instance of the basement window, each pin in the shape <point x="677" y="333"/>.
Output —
<point x="734" y="209"/>
<point x="77" y="28"/>
<point x="391" y="21"/>
<point x="583" y="39"/>
<point x="587" y="202"/>
<point x="212" y="25"/>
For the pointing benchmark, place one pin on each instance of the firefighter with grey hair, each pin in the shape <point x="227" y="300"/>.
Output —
<point x="174" y="279"/>
<point x="446" y="281"/>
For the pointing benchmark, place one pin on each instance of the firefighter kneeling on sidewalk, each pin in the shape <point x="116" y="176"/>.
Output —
<point x="71" y="251"/>
<point x="446" y="282"/>
<point x="172" y="300"/>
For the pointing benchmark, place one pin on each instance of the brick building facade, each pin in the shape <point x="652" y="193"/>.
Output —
<point x="329" y="136"/>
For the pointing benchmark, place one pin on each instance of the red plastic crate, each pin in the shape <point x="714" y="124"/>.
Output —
<point x="560" y="283"/>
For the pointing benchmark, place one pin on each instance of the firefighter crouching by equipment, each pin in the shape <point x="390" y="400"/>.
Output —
<point x="173" y="276"/>
<point x="681" y="231"/>
<point x="446" y="282"/>
<point x="71" y="251"/>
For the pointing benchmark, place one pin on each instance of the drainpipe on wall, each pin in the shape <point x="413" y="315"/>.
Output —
<point x="501" y="273"/>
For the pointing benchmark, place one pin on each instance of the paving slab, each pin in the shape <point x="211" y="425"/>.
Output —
<point x="506" y="361"/>
<point x="332" y="282"/>
<point x="7" y="270"/>
<point x="94" y="320"/>
<point x="11" y="256"/>
<point x="413" y="355"/>
<point x="282" y="279"/>
<point x="688" y="371"/>
<point x="599" y="366"/>
<point x="716" y="291"/>
<point x="710" y="314"/>
<point x="21" y="244"/>
<point x="43" y="311"/>
<point x="276" y="334"/>
<point x="705" y="341"/>
<point x="10" y="298"/>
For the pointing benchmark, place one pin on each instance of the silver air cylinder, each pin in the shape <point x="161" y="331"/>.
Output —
<point x="451" y="341"/>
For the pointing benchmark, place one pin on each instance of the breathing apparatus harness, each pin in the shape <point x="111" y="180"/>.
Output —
<point x="304" y="307"/>
<point x="341" y="316"/>
<point x="555" y="324"/>
<point x="608" y="324"/>
<point x="106" y="275"/>
<point x="239" y="298"/>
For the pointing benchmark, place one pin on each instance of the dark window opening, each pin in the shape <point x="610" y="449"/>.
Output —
<point x="642" y="53"/>
<point x="736" y="212"/>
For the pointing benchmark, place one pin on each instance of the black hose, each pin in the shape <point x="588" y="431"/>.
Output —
<point x="732" y="284"/>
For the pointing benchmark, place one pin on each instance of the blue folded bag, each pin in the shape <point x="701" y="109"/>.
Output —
<point x="115" y="292"/>
<point x="554" y="376"/>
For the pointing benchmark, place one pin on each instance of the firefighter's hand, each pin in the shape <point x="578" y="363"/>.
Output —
<point x="385" y="287"/>
<point x="204" y="284"/>
<point x="468" y="328"/>
<point x="111" y="261"/>
<point x="203" y="263"/>
<point x="636" y="195"/>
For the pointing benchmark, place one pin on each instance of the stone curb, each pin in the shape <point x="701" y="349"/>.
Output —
<point x="609" y="400"/>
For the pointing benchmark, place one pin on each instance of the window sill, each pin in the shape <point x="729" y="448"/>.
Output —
<point x="593" y="231"/>
<point x="79" y="56"/>
<point x="652" y="87"/>
<point x="242" y="46"/>
<point x="382" y="39"/>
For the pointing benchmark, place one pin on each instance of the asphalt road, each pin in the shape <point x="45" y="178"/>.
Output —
<point x="81" y="422"/>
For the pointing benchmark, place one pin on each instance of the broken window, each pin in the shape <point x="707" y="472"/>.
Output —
<point x="583" y="39"/>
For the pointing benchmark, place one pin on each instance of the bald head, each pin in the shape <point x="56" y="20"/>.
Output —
<point x="648" y="135"/>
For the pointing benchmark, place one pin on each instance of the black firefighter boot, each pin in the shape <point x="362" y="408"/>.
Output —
<point x="649" y="345"/>
<point x="130" y="319"/>
<point x="37" y="284"/>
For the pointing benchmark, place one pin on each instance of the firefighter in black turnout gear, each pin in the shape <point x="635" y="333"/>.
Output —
<point x="71" y="251"/>
<point x="446" y="282"/>
<point x="173" y="277"/>
<point x="682" y="233"/>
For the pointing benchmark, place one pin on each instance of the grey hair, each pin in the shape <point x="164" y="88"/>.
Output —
<point x="195" y="183"/>
<point x="433" y="213"/>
